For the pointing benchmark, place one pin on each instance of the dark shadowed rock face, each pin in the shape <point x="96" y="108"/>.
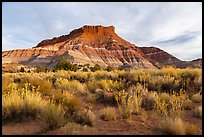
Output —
<point x="161" y="58"/>
<point x="93" y="45"/>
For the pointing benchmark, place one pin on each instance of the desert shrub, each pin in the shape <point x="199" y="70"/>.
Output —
<point x="53" y="115"/>
<point x="80" y="76"/>
<point x="188" y="104"/>
<point x="124" y="104"/>
<point x="149" y="101"/>
<point x="128" y="103"/>
<point x="84" y="117"/>
<point x="63" y="64"/>
<point x="198" y="112"/>
<point x="108" y="114"/>
<point x="20" y="104"/>
<point x="44" y="86"/>
<point x="136" y="92"/>
<point x="176" y="126"/>
<point x="165" y="97"/>
<point x="95" y="68"/>
<point x="92" y="86"/>
<point x="173" y="127"/>
<point x="105" y="85"/>
<point x="40" y="69"/>
<point x="104" y="97"/>
<point x="197" y="98"/>
<point x="73" y="86"/>
<point x="6" y="82"/>
<point x="171" y="108"/>
<point x="22" y="69"/>
<point x="62" y="74"/>
<point x="69" y="102"/>
<point x="109" y="68"/>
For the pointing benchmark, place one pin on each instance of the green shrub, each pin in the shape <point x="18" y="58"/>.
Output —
<point x="63" y="64"/>
<point x="95" y="68"/>
<point x="109" y="68"/>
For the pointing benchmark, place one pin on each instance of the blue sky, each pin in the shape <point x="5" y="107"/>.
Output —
<point x="172" y="26"/>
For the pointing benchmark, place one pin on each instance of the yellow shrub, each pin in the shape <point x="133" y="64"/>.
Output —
<point x="108" y="114"/>
<point x="68" y="101"/>
<point x="177" y="126"/>
<point x="73" y="86"/>
<point x="173" y="126"/>
<point x="44" y="86"/>
<point x="84" y="117"/>
<point x="53" y="115"/>
<point x="19" y="104"/>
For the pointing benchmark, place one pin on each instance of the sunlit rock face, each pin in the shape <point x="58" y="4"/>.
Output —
<point x="93" y="45"/>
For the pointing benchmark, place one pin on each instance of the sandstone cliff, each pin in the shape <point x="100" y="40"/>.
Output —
<point x="88" y="44"/>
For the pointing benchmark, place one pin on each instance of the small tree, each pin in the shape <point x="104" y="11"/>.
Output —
<point x="22" y="69"/>
<point x="95" y="68"/>
<point x="109" y="68"/>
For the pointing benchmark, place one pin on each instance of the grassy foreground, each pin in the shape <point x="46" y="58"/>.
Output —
<point x="63" y="97"/>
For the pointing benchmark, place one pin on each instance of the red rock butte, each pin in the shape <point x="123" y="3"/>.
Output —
<point x="93" y="45"/>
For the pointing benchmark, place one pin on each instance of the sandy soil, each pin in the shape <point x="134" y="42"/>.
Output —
<point x="132" y="126"/>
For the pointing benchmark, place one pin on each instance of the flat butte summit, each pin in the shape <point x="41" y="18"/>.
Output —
<point x="94" y="45"/>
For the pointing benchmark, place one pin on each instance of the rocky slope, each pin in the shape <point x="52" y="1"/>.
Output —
<point x="161" y="58"/>
<point x="93" y="45"/>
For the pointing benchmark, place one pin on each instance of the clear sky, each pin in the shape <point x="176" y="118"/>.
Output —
<point x="172" y="26"/>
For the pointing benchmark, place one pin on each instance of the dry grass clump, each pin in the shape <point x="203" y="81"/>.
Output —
<point x="73" y="86"/>
<point x="53" y="115"/>
<point x="197" y="98"/>
<point x="149" y="101"/>
<point x="108" y="114"/>
<point x="129" y="103"/>
<point x="6" y="81"/>
<point x="190" y="129"/>
<point x="69" y="102"/>
<point x="106" y="85"/>
<point x="188" y="104"/>
<point x="198" y="112"/>
<point x="44" y="86"/>
<point x="84" y="117"/>
<point x="165" y="97"/>
<point x="177" y="126"/>
<point x="20" y="104"/>
<point x="79" y="76"/>
<point x="104" y="97"/>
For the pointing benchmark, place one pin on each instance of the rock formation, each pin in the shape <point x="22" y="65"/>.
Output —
<point x="93" y="45"/>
